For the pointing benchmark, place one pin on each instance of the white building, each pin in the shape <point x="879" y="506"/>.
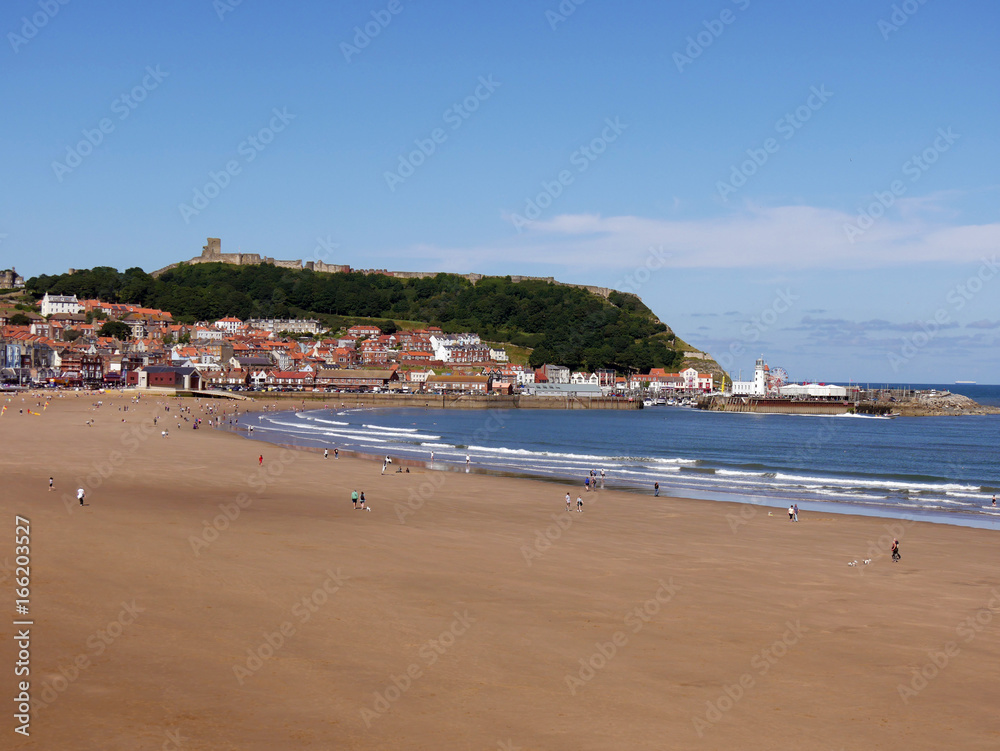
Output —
<point x="230" y="325"/>
<point x="291" y="325"/>
<point x="442" y="344"/>
<point x="52" y="304"/>
<point x="581" y="378"/>
<point x="498" y="354"/>
<point x="205" y="334"/>
<point x="756" y="387"/>
<point x="814" y="390"/>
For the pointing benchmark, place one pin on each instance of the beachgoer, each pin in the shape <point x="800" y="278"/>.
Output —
<point x="579" y="504"/>
<point x="791" y="513"/>
<point x="895" y="551"/>
<point x="80" y="494"/>
<point x="656" y="489"/>
<point x="468" y="459"/>
<point x="796" y="507"/>
<point x="51" y="481"/>
<point x="326" y="453"/>
<point x="336" y="453"/>
<point x="994" y="500"/>
<point x="602" y="479"/>
<point x="361" y="500"/>
<point x="354" y="498"/>
<point x="568" y="502"/>
<point x="586" y="484"/>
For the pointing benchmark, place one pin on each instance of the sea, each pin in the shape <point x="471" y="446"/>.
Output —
<point x="939" y="469"/>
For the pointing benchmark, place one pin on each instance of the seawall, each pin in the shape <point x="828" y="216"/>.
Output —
<point x="450" y="401"/>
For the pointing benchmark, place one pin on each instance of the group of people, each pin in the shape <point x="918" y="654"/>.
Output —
<point x="590" y="482"/>
<point x="359" y="500"/>
<point x="579" y="503"/>
<point x="793" y="512"/>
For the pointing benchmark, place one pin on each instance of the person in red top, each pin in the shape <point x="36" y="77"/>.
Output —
<point x="260" y="460"/>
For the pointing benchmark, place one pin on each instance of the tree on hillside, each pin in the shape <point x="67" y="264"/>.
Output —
<point x="20" y="319"/>
<point x="115" y="329"/>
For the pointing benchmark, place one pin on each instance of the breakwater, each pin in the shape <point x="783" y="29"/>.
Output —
<point x="774" y="406"/>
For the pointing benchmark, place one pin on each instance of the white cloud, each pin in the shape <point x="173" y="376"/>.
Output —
<point x="794" y="237"/>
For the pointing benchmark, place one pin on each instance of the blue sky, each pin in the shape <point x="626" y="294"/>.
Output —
<point x="816" y="183"/>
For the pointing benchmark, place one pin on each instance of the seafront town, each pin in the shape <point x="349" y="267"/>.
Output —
<point x="94" y="344"/>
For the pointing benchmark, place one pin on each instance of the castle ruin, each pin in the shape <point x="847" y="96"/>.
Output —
<point x="212" y="253"/>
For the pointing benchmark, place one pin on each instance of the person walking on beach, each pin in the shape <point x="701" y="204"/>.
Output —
<point x="336" y="453"/>
<point x="568" y="502"/>
<point x="80" y="495"/>
<point x="354" y="499"/>
<point x="796" y="509"/>
<point x="326" y="453"/>
<point x="361" y="501"/>
<point x="602" y="479"/>
<point x="51" y="481"/>
<point x="579" y="504"/>
<point x="468" y="461"/>
<point x="791" y="513"/>
<point x="895" y="551"/>
<point x="656" y="490"/>
<point x="260" y="460"/>
<point x="586" y="484"/>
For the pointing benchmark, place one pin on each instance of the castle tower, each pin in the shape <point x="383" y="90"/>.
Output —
<point x="213" y="249"/>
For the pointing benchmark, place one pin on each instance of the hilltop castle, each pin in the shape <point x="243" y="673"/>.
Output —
<point x="212" y="253"/>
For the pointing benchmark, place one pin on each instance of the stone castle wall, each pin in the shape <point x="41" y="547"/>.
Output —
<point x="211" y="252"/>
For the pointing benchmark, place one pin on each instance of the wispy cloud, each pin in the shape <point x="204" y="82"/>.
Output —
<point x="983" y="324"/>
<point x="789" y="237"/>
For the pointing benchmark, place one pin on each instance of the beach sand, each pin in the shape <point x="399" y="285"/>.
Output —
<point x="464" y="611"/>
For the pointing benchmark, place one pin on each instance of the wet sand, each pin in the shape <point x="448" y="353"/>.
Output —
<point x="200" y="601"/>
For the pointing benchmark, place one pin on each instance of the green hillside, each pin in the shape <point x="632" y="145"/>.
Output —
<point x="559" y="324"/>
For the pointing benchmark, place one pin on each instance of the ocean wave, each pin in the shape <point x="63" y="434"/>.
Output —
<point x="871" y="483"/>
<point x="439" y="445"/>
<point x="388" y="429"/>
<point x="528" y="452"/>
<point x="312" y="418"/>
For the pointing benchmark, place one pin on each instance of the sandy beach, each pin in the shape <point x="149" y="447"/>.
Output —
<point x="201" y="601"/>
